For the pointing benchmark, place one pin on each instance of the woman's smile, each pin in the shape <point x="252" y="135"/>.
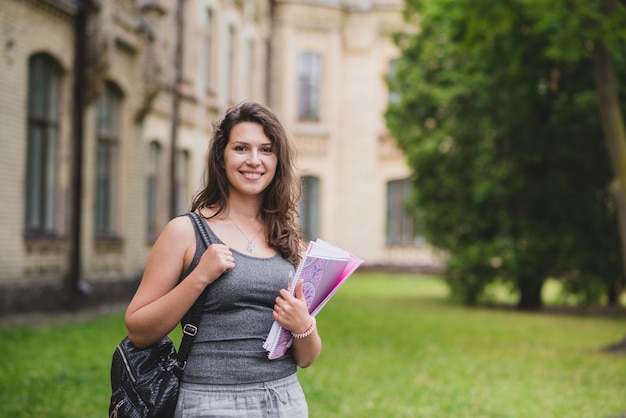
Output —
<point x="251" y="175"/>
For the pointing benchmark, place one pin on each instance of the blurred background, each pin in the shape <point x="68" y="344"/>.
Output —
<point x="107" y="109"/>
<point x="486" y="144"/>
<point x="472" y="153"/>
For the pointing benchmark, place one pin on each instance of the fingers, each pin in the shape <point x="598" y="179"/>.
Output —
<point x="223" y="252"/>
<point x="220" y="257"/>
<point x="288" y="304"/>
<point x="228" y="261"/>
<point x="299" y="285"/>
<point x="291" y="312"/>
<point x="299" y="292"/>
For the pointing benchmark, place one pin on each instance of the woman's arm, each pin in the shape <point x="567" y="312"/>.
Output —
<point x="160" y="302"/>
<point x="292" y="314"/>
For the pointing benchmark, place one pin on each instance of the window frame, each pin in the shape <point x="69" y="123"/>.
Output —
<point x="309" y="66"/>
<point x="309" y="207"/>
<point x="153" y="189"/>
<point x="108" y="161"/>
<point x="394" y="94"/>
<point x="402" y="227"/>
<point x="209" y="47"/>
<point x="45" y="85"/>
<point x="248" y="67"/>
<point x="231" y="64"/>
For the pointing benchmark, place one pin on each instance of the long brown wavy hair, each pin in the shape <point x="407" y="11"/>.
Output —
<point x="279" y="208"/>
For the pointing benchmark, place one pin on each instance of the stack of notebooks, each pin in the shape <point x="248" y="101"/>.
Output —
<point x="324" y="268"/>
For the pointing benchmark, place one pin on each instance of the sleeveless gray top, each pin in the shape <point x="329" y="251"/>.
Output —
<point x="236" y="319"/>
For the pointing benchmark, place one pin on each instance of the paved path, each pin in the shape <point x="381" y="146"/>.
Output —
<point x="42" y="319"/>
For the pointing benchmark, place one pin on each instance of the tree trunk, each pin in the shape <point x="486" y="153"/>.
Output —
<point x="612" y="294"/>
<point x="614" y="134"/>
<point x="530" y="294"/>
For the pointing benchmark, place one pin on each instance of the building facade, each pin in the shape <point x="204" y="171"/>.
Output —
<point x="86" y="189"/>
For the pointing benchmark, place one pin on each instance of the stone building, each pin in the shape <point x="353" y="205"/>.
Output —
<point x="86" y="189"/>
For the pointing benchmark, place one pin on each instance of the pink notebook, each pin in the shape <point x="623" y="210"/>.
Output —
<point x="324" y="268"/>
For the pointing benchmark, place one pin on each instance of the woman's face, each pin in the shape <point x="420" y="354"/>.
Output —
<point x="249" y="159"/>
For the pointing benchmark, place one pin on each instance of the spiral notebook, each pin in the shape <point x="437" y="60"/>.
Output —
<point x="324" y="268"/>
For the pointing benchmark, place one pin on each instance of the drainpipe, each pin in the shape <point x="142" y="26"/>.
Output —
<point x="176" y="82"/>
<point x="74" y="281"/>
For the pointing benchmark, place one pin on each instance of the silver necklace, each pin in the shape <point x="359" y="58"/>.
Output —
<point x="250" y="246"/>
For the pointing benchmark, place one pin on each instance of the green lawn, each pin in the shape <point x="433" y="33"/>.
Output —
<point x="393" y="347"/>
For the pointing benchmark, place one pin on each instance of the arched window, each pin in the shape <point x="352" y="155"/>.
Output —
<point x="109" y="112"/>
<point x="44" y="99"/>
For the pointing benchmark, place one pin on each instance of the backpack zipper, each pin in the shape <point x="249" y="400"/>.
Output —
<point x="114" y="413"/>
<point x="128" y="369"/>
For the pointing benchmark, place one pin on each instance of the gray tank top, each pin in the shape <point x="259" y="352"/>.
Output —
<point x="236" y="319"/>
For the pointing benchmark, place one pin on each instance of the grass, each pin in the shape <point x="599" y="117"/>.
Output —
<point x="393" y="347"/>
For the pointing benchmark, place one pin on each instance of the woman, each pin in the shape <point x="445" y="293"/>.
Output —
<point x="249" y="201"/>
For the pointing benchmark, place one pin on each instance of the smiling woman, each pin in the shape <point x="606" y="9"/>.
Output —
<point x="249" y="202"/>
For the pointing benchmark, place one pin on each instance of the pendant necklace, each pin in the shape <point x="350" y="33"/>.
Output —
<point x="250" y="246"/>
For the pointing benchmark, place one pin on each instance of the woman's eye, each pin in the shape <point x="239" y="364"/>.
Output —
<point x="267" y="150"/>
<point x="240" y="148"/>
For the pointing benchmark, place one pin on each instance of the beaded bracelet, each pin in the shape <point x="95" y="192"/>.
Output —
<point x="309" y="330"/>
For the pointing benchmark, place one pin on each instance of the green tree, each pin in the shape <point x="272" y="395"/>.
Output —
<point x="577" y="30"/>
<point x="505" y="144"/>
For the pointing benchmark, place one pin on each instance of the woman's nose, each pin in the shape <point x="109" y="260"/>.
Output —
<point x="253" y="158"/>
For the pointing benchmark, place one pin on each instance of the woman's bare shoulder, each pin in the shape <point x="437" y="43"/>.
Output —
<point x="178" y="230"/>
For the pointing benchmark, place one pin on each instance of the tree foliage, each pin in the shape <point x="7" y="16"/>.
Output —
<point x="498" y="118"/>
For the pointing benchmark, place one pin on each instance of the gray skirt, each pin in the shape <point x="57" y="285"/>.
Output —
<point x="276" y="399"/>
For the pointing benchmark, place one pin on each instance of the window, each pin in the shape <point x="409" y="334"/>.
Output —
<point x="107" y="160"/>
<point x="229" y="82"/>
<point x="402" y="224"/>
<point x="152" y="190"/>
<point x="248" y="68"/>
<point x="182" y="181"/>
<point x="308" y="86"/>
<point x="309" y="207"/>
<point x="208" y="51"/>
<point x="44" y="97"/>
<point x="392" y="82"/>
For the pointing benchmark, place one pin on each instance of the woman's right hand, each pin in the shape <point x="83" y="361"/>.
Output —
<point x="216" y="260"/>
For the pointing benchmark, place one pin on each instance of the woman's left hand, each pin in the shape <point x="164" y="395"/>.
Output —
<point x="291" y="312"/>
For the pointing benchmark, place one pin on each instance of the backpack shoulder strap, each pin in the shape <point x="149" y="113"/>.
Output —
<point x="190" y="328"/>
